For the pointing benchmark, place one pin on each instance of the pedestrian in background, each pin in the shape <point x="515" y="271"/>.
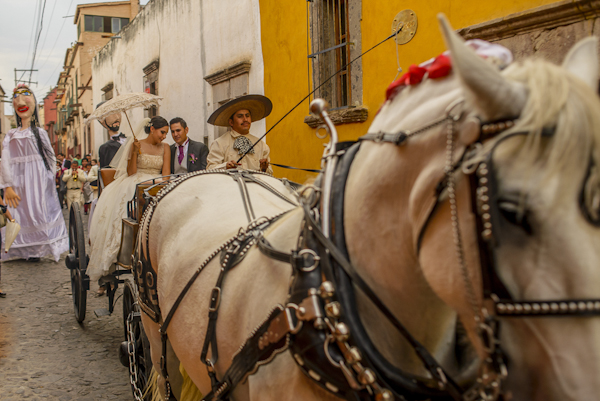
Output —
<point x="60" y="187"/>
<point x="75" y="177"/>
<point x="88" y="194"/>
<point x="3" y="210"/>
<point x="93" y="177"/>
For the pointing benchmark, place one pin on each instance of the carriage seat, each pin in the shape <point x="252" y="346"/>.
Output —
<point x="107" y="175"/>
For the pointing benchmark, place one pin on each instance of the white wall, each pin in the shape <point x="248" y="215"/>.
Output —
<point x="191" y="39"/>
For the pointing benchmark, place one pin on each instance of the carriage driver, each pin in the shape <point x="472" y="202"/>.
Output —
<point x="239" y="114"/>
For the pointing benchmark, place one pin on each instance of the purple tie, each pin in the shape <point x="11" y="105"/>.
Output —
<point x="180" y="157"/>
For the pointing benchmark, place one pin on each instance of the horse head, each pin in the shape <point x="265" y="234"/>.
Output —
<point x="486" y="165"/>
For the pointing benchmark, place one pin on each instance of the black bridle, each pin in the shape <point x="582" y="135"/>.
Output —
<point x="497" y="300"/>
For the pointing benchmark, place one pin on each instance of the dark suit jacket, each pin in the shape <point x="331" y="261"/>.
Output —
<point x="197" y="149"/>
<point x="107" y="151"/>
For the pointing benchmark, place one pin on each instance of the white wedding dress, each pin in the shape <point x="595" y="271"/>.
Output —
<point x="105" y="231"/>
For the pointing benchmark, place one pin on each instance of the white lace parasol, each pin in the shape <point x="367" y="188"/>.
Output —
<point x="122" y="103"/>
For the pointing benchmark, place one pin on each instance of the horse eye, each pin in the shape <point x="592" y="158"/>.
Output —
<point x="514" y="214"/>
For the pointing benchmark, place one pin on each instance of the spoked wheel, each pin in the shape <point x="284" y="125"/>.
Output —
<point x="135" y="350"/>
<point x="76" y="261"/>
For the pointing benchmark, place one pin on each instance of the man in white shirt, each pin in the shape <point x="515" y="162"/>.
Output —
<point x="239" y="114"/>
<point x="75" y="177"/>
<point x="186" y="155"/>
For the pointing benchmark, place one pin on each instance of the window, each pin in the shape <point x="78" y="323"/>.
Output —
<point x="331" y="51"/>
<point x="335" y="41"/>
<point x="151" y="85"/>
<point x="96" y="23"/>
<point x="118" y="24"/>
<point x="228" y="84"/>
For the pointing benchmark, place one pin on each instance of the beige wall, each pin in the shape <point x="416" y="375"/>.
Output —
<point x="192" y="40"/>
<point x="78" y="60"/>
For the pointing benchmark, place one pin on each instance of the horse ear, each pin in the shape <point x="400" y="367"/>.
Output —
<point x="582" y="61"/>
<point x="494" y="96"/>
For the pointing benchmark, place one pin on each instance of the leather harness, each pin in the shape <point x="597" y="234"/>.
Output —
<point x="320" y="324"/>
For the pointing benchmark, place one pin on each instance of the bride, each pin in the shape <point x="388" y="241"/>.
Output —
<point x="136" y="161"/>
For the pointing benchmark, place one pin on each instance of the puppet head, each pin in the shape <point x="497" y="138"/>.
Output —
<point x="24" y="104"/>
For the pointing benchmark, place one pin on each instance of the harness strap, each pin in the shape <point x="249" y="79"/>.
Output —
<point x="249" y="176"/>
<point x="437" y="371"/>
<point x="245" y="196"/>
<point x="266" y="341"/>
<point x="235" y="253"/>
<point x="303" y="260"/>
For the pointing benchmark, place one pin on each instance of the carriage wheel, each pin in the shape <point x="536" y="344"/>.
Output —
<point x="77" y="262"/>
<point x="136" y="346"/>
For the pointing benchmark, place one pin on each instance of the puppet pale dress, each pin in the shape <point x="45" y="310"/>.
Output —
<point x="43" y="231"/>
<point x="105" y="231"/>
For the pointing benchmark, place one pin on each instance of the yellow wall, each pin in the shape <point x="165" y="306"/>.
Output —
<point x="284" y="44"/>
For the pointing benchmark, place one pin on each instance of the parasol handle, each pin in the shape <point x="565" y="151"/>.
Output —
<point x="132" y="132"/>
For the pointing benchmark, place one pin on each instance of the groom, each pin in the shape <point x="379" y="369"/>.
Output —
<point x="186" y="155"/>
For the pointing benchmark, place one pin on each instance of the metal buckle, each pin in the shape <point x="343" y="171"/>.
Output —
<point x="215" y="299"/>
<point x="315" y="263"/>
<point x="290" y="321"/>
<point x="378" y="137"/>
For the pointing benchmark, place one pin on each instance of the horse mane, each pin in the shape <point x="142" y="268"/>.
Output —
<point x="556" y="99"/>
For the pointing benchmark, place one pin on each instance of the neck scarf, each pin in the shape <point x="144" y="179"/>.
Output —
<point x="242" y="144"/>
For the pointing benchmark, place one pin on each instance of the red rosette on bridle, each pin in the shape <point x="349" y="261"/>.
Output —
<point x="440" y="67"/>
<point x="412" y="77"/>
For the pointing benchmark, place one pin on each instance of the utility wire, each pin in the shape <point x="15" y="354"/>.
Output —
<point x="317" y="88"/>
<point x="37" y="41"/>
<point x="32" y="35"/>
<point x="49" y="21"/>
<point x="57" y="37"/>
<point x="33" y="32"/>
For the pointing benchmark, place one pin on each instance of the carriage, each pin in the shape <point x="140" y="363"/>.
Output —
<point x="134" y="351"/>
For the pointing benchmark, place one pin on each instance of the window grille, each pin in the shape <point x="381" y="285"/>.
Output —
<point x="331" y="41"/>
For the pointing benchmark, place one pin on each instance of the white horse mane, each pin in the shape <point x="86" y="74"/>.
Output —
<point x="556" y="98"/>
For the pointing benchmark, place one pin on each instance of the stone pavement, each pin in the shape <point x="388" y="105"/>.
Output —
<point x="44" y="353"/>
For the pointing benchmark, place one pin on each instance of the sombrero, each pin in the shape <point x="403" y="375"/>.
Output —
<point x="259" y="106"/>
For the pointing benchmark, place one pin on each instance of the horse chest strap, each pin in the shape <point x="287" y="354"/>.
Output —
<point x="267" y="340"/>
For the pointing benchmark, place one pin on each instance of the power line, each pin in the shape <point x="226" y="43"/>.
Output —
<point x="57" y="37"/>
<point x="50" y="21"/>
<point x="37" y="41"/>
<point x="33" y="27"/>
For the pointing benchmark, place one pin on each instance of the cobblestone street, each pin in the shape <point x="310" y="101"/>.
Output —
<point x="44" y="352"/>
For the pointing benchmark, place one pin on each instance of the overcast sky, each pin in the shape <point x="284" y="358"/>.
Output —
<point x="17" y="42"/>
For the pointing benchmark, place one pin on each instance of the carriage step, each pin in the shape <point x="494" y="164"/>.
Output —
<point x="102" y="312"/>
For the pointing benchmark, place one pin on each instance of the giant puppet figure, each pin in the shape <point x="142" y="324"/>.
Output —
<point x="27" y="176"/>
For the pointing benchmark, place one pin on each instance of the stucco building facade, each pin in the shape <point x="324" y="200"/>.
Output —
<point x="195" y="54"/>
<point x="96" y="24"/>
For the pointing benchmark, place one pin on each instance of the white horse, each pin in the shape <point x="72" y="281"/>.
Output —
<point x="547" y="248"/>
